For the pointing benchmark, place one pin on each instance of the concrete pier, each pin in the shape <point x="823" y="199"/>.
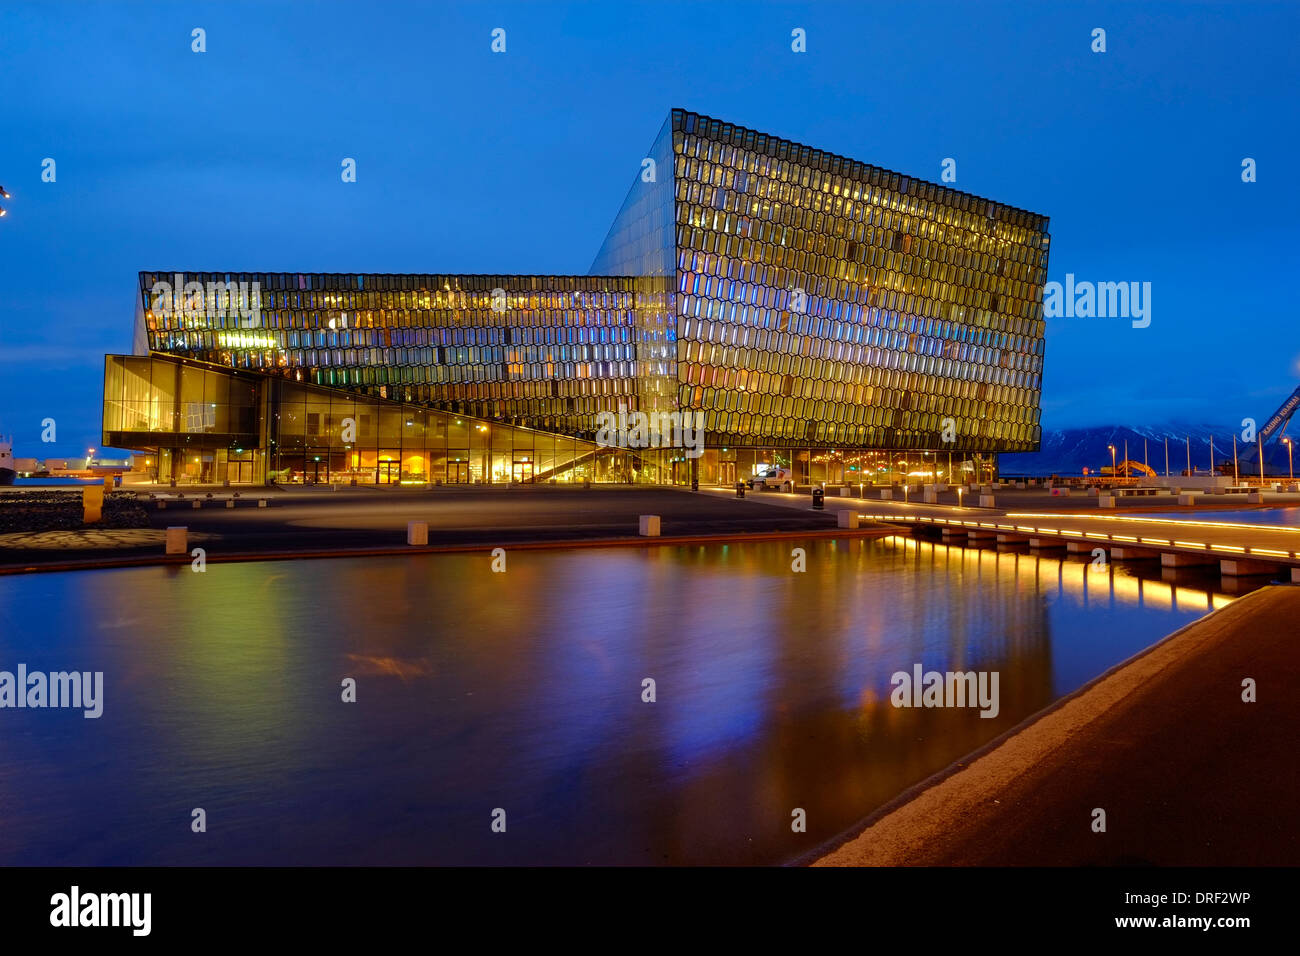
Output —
<point x="1185" y="559"/>
<point x="1127" y="553"/>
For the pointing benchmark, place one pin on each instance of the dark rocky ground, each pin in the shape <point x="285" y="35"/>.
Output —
<point x="58" y="510"/>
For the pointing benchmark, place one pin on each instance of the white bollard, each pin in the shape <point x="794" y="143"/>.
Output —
<point x="197" y="503"/>
<point x="986" y="501"/>
<point x="886" y="494"/>
<point x="417" y="532"/>
<point x="847" y="518"/>
<point x="177" y="538"/>
<point x="230" y="502"/>
<point x="261" y="502"/>
<point x="649" y="526"/>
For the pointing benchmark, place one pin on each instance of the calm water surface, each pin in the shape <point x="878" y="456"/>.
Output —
<point x="522" y="691"/>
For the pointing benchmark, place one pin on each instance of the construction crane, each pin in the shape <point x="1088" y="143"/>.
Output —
<point x="1276" y="424"/>
<point x="1126" y="468"/>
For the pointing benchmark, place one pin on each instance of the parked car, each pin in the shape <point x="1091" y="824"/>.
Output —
<point x="772" y="476"/>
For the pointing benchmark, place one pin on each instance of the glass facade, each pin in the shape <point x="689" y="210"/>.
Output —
<point x="821" y="313"/>
<point x="824" y="302"/>
<point x="300" y="433"/>
<point x="547" y="352"/>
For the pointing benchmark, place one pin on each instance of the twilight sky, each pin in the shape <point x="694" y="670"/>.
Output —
<point x="470" y="161"/>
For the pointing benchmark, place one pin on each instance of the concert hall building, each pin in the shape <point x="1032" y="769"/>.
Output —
<point x="805" y="310"/>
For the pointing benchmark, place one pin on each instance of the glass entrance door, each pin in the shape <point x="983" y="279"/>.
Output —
<point x="457" y="472"/>
<point x="389" y="472"/>
<point x="522" y="472"/>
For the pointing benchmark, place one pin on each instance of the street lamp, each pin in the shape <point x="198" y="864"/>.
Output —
<point x="1114" y="471"/>
<point x="4" y="194"/>
<point x="1290" y="458"/>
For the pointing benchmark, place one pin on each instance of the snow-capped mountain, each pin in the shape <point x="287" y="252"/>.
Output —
<point x="1068" y="451"/>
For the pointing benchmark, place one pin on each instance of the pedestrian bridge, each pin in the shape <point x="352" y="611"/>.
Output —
<point x="1237" y="549"/>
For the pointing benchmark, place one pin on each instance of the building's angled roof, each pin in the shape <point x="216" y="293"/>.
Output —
<point x="743" y="136"/>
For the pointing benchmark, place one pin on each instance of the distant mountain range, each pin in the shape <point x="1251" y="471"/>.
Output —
<point x="1068" y="451"/>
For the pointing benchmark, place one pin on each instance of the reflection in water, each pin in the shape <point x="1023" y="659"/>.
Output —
<point x="522" y="691"/>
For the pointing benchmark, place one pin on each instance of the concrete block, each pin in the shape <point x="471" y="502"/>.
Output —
<point x="230" y="502"/>
<point x="1060" y="492"/>
<point x="178" y="540"/>
<point x="417" y="532"/>
<point x="847" y="518"/>
<point x="886" y="494"/>
<point x="92" y="503"/>
<point x="1255" y="498"/>
<point x="1186" y="559"/>
<point x="1242" y="567"/>
<point x="649" y="526"/>
<point x="1084" y="547"/>
<point x="986" y="501"/>
<point x="1127" y="553"/>
<point x="197" y="503"/>
<point x="1187" y="498"/>
<point x="1295" y="575"/>
<point x="261" y="502"/>
<point x="930" y="496"/>
<point x="1043" y="543"/>
<point x="1106" y="501"/>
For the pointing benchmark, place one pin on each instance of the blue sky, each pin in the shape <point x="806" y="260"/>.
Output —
<point x="470" y="161"/>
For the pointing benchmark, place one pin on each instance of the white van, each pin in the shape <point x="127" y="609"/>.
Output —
<point x="770" y="476"/>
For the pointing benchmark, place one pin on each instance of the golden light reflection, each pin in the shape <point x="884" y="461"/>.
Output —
<point x="1078" y="579"/>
